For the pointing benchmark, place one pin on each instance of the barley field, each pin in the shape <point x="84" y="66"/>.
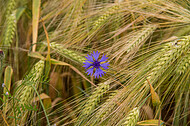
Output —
<point x="95" y="63"/>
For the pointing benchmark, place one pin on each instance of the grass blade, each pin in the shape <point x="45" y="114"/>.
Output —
<point x="35" y="21"/>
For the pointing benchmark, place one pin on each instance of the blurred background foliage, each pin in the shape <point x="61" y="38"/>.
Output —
<point x="43" y="46"/>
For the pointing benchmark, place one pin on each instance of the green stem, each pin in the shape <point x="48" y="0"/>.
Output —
<point x="42" y="105"/>
<point x="144" y="100"/>
<point x="14" y="113"/>
<point x="14" y="110"/>
<point x="1" y="70"/>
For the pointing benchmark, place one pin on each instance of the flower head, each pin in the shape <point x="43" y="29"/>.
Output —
<point x="7" y="93"/>
<point x="94" y="62"/>
<point x="3" y="85"/>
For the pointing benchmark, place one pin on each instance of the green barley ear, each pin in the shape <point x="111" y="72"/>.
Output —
<point x="183" y="64"/>
<point x="94" y="99"/>
<point x="170" y="53"/>
<point x="72" y="55"/>
<point x="107" y="107"/>
<point x="131" y="119"/>
<point x="27" y="92"/>
<point x="10" y="30"/>
<point x="103" y="18"/>
<point x="10" y="7"/>
<point x="33" y="78"/>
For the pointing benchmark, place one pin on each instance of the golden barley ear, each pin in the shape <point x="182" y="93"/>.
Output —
<point x="142" y="36"/>
<point x="103" y="18"/>
<point x="131" y="45"/>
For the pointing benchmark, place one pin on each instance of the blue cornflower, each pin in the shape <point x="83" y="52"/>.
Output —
<point x="94" y="62"/>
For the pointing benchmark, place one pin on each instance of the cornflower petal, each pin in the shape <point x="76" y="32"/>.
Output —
<point x="95" y="55"/>
<point x="104" y="65"/>
<point x="89" y="58"/>
<point x="90" y="71"/>
<point x="98" y="73"/>
<point x="87" y="65"/>
<point x="104" y="58"/>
